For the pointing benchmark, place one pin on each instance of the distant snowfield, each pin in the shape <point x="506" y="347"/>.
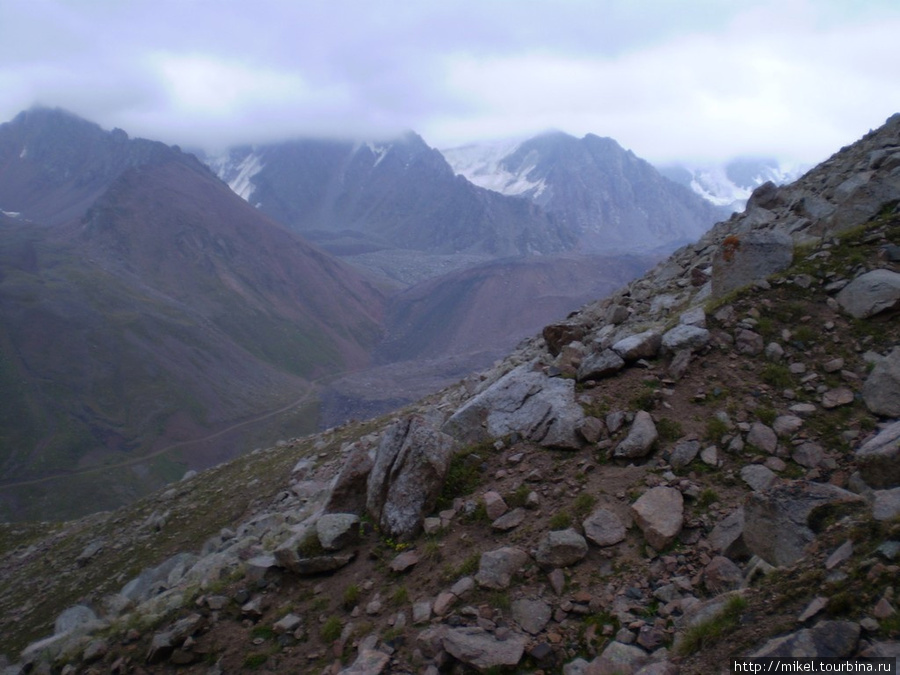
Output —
<point x="729" y="184"/>
<point x="482" y="164"/>
<point x="238" y="175"/>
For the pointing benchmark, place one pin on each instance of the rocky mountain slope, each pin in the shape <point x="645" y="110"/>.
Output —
<point x="613" y="200"/>
<point x="143" y="304"/>
<point x="702" y="466"/>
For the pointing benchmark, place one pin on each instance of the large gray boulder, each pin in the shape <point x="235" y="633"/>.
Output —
<point x="881" y="390"/>
<point x="778" y="523"/>
<point x="641" y="438"/>
<point x="604" y="528"/>
<point x="659" y="513"/>
<point x="728" y="535"/>
<point x="410" y="466"/>
<point x="827" y="639"/>
<point x="879" y="458"/>
<point x="337" y="530"/>
<point x="497" y="568"/>
<point x="640" y="346"/>
<point x="599" y="365"/>
<point x="743" y="259"/>
<point x="618" y="659"/>
<point x="348" y="493"/>
<point x="540" y="408"/>
<point x="684" y="336"/>
<point x="871" y="293"/>
<point x="561" y="548"/>
<point x="531" y="615"/>
<point x="480" y="649"/>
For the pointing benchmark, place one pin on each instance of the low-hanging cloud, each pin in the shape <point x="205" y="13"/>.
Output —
<point x="691" y="80"/>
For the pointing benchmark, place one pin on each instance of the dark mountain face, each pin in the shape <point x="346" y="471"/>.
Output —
<point x="352" y="198"/>
<point x="164" y="309"/>
<point x="609" y="196"/>
<point x="53" y="165"/>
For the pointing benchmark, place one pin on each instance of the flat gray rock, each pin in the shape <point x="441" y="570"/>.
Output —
<point x="531" y="615"/>
<point x="561" y="548"/>
<point x="684" y="336"/>
<point x="886" y="504"/>
<point x="640" y="346"/>
<point x="598" y="365"/>
<point x="477" y="648"/>
<point x="827" y="639"/>
<point x="497" y="568"/>
<point x="871" y="293"/>
<point x="777" y="524"/>
<point x="757" y="476"/>
<point x="509" y="520"/>
<point x="337" y="530"/>
<point x="744" y="259"/>
<point x="684" y="453"/>
<point x="540" y="408"/>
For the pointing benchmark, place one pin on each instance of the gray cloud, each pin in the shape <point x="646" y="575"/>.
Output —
<point x="706" y="79"/>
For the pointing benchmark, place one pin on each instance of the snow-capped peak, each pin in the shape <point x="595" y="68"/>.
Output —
<point x="482" y="164"/>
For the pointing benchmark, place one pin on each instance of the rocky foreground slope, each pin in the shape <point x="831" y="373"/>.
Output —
<point x="702" y="466"/>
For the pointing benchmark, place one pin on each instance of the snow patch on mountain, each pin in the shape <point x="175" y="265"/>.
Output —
<point x="482" y="164"/>
<point x="237" y="172"/>
<point x="732" y="183"/>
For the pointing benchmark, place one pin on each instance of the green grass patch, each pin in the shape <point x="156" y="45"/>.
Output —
<point x="669" y="430"/>
<point x="331" y="629"/>
<point x="464" y="474"/>
<point x="713" y="629"/>
<point x="560" y="520"/>
<point x="715" y="429"/>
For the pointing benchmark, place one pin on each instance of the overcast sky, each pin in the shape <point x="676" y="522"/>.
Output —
<point x="668" y="79"/>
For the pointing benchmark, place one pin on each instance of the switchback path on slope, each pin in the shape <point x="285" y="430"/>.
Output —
<point x="156" y="453"/>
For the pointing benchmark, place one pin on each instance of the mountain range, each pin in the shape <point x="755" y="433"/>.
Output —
<point x="701" y="468"/>
<point x="143" y="304"/>
<point x="159" y="313"/>
<point x="610" y="198"/>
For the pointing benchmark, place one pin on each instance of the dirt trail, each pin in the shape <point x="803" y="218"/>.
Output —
<point x="156" y="453"/>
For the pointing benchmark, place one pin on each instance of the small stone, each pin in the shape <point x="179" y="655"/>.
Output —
<point x="758" y="477"/>
<point x="883" y="609"/>
<point x="442" y="603"/>
<point x="421" y="612"/>
<point x="710" y="456"/>
<point x="287" y="624"/>
<point x="813" y="608"/>
<point x="786" y="426"/>
<point x="557" y="580"/>
<point x="510" y="520"/>
<point x="841" y="554"/>
<point x="762" y="437"/>
<point x="494" y="505"/>
<point x="404" y="561"/>
<point x="834" y="398"/>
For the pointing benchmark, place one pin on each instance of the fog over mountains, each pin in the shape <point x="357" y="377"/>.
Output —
<point x="146" y="306"/>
